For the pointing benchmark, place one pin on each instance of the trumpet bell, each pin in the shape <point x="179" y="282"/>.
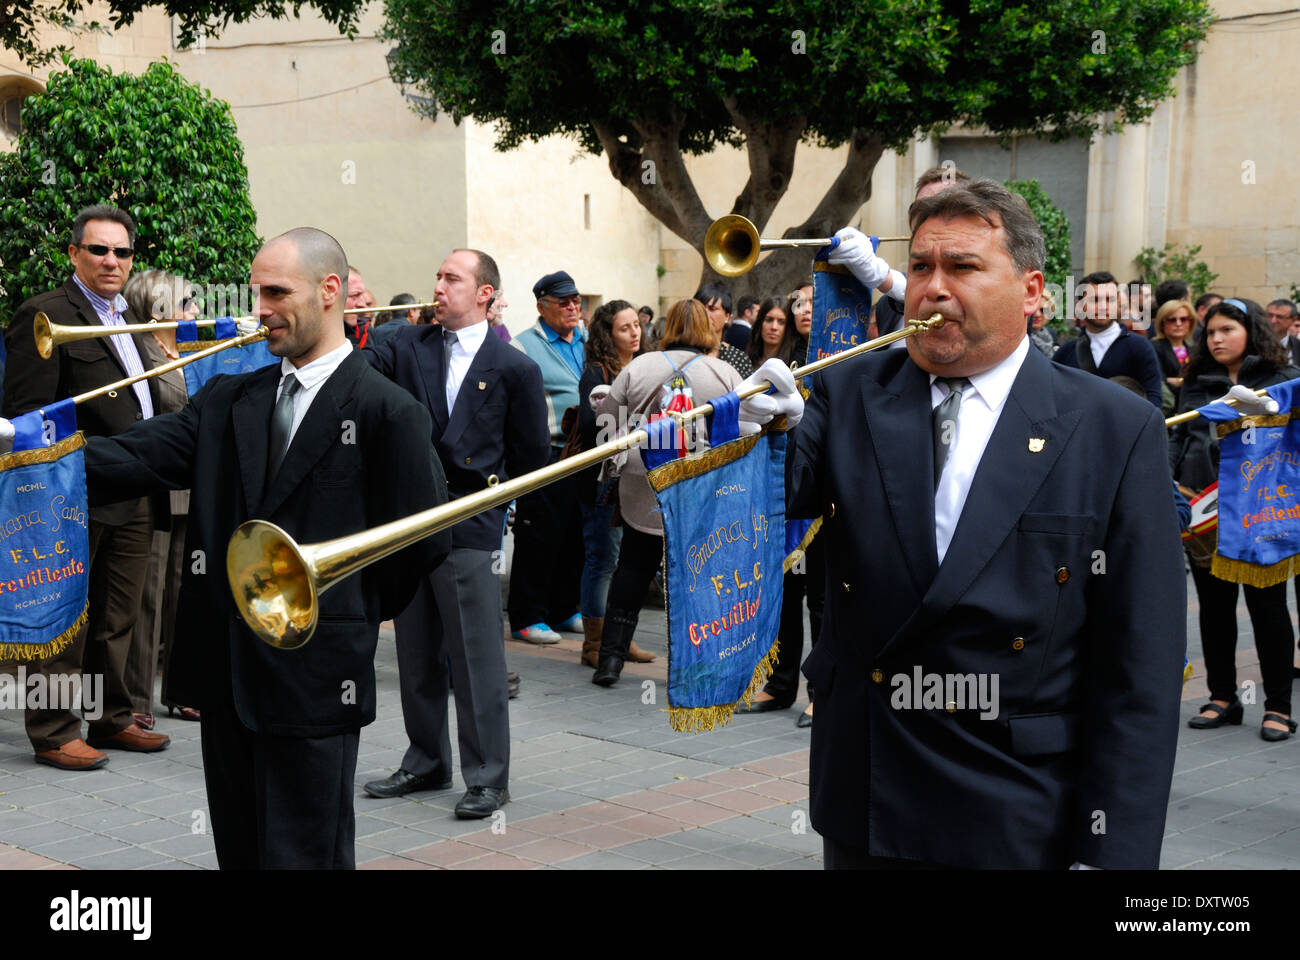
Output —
<point x="43" y="330"/>
<point x="274" y="584"/>
<point x="731" y="245"/>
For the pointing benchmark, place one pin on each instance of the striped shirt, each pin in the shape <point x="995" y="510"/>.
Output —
<point x="110" y="314"/>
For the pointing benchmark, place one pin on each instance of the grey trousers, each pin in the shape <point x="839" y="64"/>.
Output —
<point x="453" y="629"/>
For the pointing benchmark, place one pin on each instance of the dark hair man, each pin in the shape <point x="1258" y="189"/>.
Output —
<point x="322" y="446"/>
<point x="1106" y="347"/>
<point x="1168" y="290"/>
<point x="489" y="418"/>
<point x="1282" y="314"/>
<point x="737" y="331"/>
<point x="101" y="250"/>
<point x="975" y="673"/>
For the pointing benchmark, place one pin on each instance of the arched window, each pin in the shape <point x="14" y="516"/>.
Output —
<point x="13" y="91"/>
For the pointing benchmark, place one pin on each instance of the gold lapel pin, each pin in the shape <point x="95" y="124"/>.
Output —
<point x="1036" y="444"/>
<point x="482" y="384"/>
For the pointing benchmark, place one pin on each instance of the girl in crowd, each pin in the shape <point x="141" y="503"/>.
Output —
<point x="613" y="340"/>
<point x="1238" y="348"/>
<point x="772" y="335"/>
<point x="1172" y="342"/>
<point x="799" y="306"/>
<point x="689" y="340"/>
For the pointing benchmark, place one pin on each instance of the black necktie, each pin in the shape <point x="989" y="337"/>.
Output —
<point x="282" y="423"/>
<point x="945" y="423"/>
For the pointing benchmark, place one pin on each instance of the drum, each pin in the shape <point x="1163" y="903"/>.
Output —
<point x="1202" y="535"/>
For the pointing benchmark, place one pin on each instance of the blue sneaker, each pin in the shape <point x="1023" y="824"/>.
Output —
<point x="572" y="625"/>
<point x="537" y="633"/>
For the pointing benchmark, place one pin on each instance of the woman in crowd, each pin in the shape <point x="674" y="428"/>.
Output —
<point x="1238" y="348"/>
<point x="689" y="342"/>
<point x="160" y="296"/>
<point x="1172" y="341"/>
<point x="613" y="340"/>
<point x="799" y="306"/>
<point x="1040" y="334"/>
<point x="772" y="335"/>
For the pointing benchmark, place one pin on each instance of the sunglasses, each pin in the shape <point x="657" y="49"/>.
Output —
<point x="100" y="250"/>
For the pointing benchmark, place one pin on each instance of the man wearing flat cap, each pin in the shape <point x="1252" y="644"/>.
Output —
<point x="547" y="567"/>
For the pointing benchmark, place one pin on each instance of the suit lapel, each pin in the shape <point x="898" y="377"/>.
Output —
<point x="898" y="417"/>
<point x="320" y="429"/>
<point x="469" y="398"/>
<point x="251" y="416"/>
<point x="87" y="315"/>
<point x="429" y="362"/>
<point x="1009" y="475"/>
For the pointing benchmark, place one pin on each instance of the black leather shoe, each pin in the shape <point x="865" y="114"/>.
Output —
<point x="1232" y="713"/>
<point x="608" y="671"/>
<point x="1265" y="733"/>
<point x="480" y="802"/>
<point x="762" y="706"/>
<point x="804" y="721"/>
<point x="404" y="782"/>
<point x="512" y="686"/>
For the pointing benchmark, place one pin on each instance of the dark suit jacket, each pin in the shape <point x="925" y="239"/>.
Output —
<point x="1131" y="355"/>
<point x="737" y="334"/>
<point x="76" y="367"/>
<point x="498" y="425"/>
<point x="1089" y="666"/>
<point x="361" y="457"/>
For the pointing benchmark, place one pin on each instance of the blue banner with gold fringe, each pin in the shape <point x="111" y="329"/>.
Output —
<point x="235" y="360"/>
<point x="724" y="544"/>
<point x="841" y="308"/>
<point x="44" y="535"/>
<point x="1259" y="490"/>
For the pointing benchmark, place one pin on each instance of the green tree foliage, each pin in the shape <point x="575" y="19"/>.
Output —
<point x="651" y="81"/>
<point x="1056" y="232"/>
<point x="156" y="145"/>
<point x="23" y="23"/>
<point x="1176" y="263"/>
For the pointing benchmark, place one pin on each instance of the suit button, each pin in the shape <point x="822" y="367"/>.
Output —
<point x="1018" y="643"/>
<point x="112" y="394"/>
<point x="139" y="416"/>
<point x="951" y="706"/>
<point x="467" y="459"/>
<point x="877" y="676"/>
<point x="847" y="588"/>
<point x="830" y="512"/>
<point x="1062" y="574"/>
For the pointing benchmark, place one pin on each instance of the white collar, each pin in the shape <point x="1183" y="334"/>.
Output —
<point x="313" y="374"/>
<point x="472" y="337"/>
<point x="1107" y="336"/>
<point x="994" y="384"/>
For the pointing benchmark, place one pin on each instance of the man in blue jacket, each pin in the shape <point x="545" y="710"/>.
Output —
<point x="1108" y="348"/>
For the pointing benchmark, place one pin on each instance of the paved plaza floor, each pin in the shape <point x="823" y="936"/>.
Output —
<point x="599" y="780"/>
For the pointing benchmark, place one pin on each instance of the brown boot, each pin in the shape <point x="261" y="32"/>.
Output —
<point x="637" y="655"/>
<point x="592" y="628"/>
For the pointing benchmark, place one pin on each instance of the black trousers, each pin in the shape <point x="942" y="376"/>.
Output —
<point x="1271" y="622"/>
<point x="783" y="684"/>
<point x="546" y="572"/>
<point x="279" y="803"/>
<point x="638" y="559"/>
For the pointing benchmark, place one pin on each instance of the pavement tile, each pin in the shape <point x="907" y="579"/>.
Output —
<point x="695" y="789"/>
<point x="446" y="853"/>
<point x="556" y="824"/>
<point x="185" y="847"/>
<point x="695" y="813"/>
<point x="799" y="863"/>
<point x="655" y="851"/>
<point x="740" y="801"/>
<point x="75" y="849"/>
<point x="128" y="858"/>
<point x="13" y="858"/>
<point x="755" y="854"/>
<point x="651" y="825"/>
<point x="498" y="861"/>
<point x="508" y="840"/>
<point x="148" y="831"/>
<point x="551" y="850"/>
<point x="108" y="816"/>
<point x="394" y="863"/>
<point x="602" y="836"/>
<point x="737" y="778"/>
<point x="649" y="800"/>
<point x="788" y="791"/>
<point x="603" y="860"/>
<point x="603" y="812"/>
<point x="397" y="840"/>
<point x="705" y="861"/>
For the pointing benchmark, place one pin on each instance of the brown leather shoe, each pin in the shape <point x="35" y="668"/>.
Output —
<point x="133" y="738"/>
<point x="73" y="755"/>
<point x="637" y="655"/>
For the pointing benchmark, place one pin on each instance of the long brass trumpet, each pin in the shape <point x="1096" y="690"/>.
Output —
<point x="732" y="245"/>
<point x="111" y="388"/>
<point x="50" y="335"/>
<point x="276" y="583"/>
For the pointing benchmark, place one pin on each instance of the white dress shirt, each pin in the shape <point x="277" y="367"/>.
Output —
<point x="310" y="377"/>
<point x="981" y="405"/>
<point x="468" y="341"/>
<point x="1100" y="342"/>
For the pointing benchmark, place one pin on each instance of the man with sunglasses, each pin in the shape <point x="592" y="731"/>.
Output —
<point x="101" y="252"/>
<point x="547" y="567"/>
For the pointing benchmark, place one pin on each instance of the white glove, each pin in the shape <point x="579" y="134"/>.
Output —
<point x="6" y="435"/>
<point x="598" y="394"/>
<point x="854" y="252"/>
<point x="246" y="326"/>
<point x="763" y="407"/>
<point x="898" y="289"/>
<point x="1247" y="403"/>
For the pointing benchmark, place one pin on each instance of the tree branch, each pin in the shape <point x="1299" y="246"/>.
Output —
<point x="851" y="189"/>
<point x="770" y="147"/>
<point x="661" y="145"/>
<point x="625" y="163"/>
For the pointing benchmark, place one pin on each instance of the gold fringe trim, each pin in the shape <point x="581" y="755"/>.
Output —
<point x="190" y="346"/>
<point x="800" y="550"/>
<point x="825" y="266"/>
<point x="703" y="719"/>
<point x="25" y="458"/>
<point x="1252" y="574"/>
<point x="675" y="471"/>
<point x="44" y="651"/>
<point x="1241" y="423"/>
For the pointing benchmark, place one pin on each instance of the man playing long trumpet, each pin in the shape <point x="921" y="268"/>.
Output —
<point x="322" y="446"/>
<point x="101" y="250"/>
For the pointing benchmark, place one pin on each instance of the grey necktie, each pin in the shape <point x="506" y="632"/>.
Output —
<point x="945" y="423"/>
<point x="282" y="423"/>
<point x="448" y="341"/>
